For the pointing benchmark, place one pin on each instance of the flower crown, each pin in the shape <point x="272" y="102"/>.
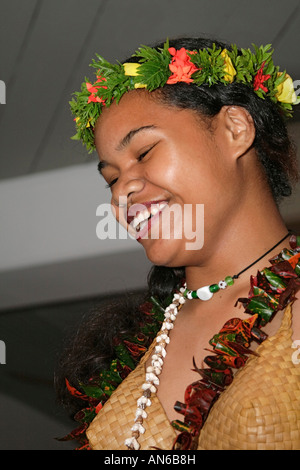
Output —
<point x="167" y="66"/>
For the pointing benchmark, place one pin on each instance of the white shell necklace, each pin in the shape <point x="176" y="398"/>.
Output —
<point x="154" y="370"/>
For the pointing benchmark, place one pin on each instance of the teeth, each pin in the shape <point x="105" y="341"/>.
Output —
<point x="154" y="210"/>
<point x="141" y="220"/>
<point x="142" y="225"/>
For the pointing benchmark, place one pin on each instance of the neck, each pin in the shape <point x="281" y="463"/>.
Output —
<point x="248" y="235"/>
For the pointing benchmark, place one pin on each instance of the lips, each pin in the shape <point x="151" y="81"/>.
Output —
<point x="139" y="215"/>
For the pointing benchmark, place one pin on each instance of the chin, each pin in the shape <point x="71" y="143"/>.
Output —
<point x="163" y="252"/>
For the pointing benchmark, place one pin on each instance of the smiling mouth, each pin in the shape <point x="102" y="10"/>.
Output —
<point x="145" y="214"/>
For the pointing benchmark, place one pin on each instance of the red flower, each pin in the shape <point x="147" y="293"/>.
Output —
<point x="93" y="89"/>
<point x="181" y="66"/>
<point x="260" y="78"/>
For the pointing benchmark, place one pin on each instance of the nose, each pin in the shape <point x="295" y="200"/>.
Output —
<point x="126" y="187"/>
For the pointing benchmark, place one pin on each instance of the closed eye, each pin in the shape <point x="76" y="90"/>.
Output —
<point x="140" y="158"/>
<point x="109" y="185"/>
<point x="143" y="155"/>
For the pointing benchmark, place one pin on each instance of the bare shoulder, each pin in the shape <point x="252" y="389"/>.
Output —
<point x="296" y="318"/>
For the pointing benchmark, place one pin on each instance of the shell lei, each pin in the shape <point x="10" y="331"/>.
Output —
<point x="271" y="290"/>
<point x="154" y="370"/>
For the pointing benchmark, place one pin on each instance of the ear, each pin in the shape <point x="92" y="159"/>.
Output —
<point x="238" y="129"/>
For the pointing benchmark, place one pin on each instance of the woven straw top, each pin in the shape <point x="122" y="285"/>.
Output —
<point x="260" y="410"/>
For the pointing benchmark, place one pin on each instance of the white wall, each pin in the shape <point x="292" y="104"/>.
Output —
<point x="49" y="249"/>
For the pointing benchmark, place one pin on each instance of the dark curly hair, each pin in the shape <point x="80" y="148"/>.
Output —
<point x="91" y="348"/>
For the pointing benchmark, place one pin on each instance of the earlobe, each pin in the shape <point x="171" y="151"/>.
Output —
<point x="239" y="128"/>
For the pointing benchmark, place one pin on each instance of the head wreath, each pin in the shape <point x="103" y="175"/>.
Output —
<point x="156" y="68"/>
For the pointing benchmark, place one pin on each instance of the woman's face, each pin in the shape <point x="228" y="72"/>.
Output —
<point x="166" y="160"/>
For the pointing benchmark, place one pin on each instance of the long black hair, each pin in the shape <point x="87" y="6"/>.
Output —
<point x="91" y="348"/>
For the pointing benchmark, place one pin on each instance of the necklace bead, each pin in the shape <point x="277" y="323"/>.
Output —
<point x="229" y="280"/>
<point x="214" y="288"/>
<point x="222" y="285"/>
<point x="204" y="293"/>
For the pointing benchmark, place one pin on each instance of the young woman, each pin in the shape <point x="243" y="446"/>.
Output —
<point x="207" y="362"/>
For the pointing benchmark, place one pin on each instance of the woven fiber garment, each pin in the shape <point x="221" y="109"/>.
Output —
<point x="113" y="423"/>
<point x="260" y="410"/>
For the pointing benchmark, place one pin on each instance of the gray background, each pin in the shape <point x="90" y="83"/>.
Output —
<point x="53" y="267"/>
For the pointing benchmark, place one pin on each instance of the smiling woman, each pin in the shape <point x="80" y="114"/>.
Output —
<point x="186" y="125"/>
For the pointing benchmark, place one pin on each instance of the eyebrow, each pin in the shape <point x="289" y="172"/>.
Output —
<point x="124" y="142"/>
<point x="128" y="137"/>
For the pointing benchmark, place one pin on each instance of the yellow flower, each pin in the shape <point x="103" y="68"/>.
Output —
<point x="140" y="85"/>
<point x="229" y="70"/>
<point x="88" y="122"/>
<point x="286" y="92"/>
<point x="131" y="70"/>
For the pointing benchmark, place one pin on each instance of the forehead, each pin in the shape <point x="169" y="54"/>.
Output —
<point x="138" y="109"/>
<point x="133" y="110"/>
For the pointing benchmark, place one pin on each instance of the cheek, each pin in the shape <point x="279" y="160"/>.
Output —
<point x="168" y="171"/>
<point x="194" y="169"/>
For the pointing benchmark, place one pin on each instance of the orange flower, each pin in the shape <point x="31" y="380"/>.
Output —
<point x="93" y="89"/>
<point x="181" y="66"/>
